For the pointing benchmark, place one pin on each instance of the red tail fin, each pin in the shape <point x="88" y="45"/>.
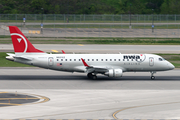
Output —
<point x="20" y="42"/>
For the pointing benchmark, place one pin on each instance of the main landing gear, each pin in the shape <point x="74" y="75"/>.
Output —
<point x="91" y="76"/>
<point x="152" y="73"/>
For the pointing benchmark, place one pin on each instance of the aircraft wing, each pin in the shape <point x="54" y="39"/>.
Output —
<point x="92" y="69"/>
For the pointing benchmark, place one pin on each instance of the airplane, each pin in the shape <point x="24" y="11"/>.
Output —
<point x="111" y="65"/>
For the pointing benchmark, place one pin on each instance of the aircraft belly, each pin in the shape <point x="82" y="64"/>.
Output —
<point x="69" y="67"/>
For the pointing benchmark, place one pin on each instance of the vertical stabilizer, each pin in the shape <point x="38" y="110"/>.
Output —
<point x="20" y="43"/>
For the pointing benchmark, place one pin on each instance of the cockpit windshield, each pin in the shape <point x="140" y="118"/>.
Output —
<point x="161" y="59"/>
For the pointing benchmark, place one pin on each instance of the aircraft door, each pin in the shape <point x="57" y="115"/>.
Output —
<point x="50" y="61"/>
<point x="151" y="61"/>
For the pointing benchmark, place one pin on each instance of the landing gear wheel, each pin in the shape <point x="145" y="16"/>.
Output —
<point x="94" y="77"/>
<point x="152" y="77"/>
<point x="89" y="75"/>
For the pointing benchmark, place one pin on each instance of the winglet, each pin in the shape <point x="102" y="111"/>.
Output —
<point x="63" y="52"/>
<point x="85" y="64"/>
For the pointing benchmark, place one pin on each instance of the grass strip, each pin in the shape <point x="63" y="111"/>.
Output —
<point x="7" y="63"/>
<point x="123" y="41"/>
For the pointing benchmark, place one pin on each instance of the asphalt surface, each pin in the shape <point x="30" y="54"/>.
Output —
<point x="74" y="96"/>
<point x="100" y="32"/>
<point x="102" y="23"/>
<point x="47" y="79"/>
<point x="70" y="48"/>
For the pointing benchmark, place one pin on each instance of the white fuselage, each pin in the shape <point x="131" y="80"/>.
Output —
<point x="73" y="62"/>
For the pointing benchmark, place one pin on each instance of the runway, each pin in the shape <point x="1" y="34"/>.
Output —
<point x="95" y="49"/>
<point x="37" y="78"/>
<point x="74" y="96"/>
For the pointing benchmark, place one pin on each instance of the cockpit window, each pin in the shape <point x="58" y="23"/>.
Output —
<point x="161" y="59"/>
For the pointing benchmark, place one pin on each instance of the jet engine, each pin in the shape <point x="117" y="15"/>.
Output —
<point x="114" y="73"/>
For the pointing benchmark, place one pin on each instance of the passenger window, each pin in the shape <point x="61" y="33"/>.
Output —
<point x="88" y="59"/>
<point x="96" y="59"/>
<point x="74" y="59"/>
<point x="119" y="60"/>
<point x="101" y="59"/>
<point x="61" y="59"/>
<point x="106" y="59"/>
<point x="92" y="59"/>
<point x="66" y="59"/>
<point x="79" y="59"/>
<point x="57" y="60"/>
<point x="114" y="59"/>
<point x="69" y="59"/>
<point x="110" y="59"/>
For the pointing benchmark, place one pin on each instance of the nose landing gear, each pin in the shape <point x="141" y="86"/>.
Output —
<point x="152" y="73"/>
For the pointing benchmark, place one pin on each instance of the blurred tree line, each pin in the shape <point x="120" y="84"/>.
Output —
<point x="89" y="6"/>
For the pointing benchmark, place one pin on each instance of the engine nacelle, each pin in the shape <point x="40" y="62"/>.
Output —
<point x="114" y="73"/>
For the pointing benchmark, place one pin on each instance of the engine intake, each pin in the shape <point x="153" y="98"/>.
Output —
<point x="114" y="73"/>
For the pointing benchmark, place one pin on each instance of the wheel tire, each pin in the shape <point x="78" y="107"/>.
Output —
<point x="152" y="77"/>
<point x="94" y="77"/>
<point x="89" y="75"/>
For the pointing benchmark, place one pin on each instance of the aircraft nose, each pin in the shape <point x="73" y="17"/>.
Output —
<point x="171" y="66"/>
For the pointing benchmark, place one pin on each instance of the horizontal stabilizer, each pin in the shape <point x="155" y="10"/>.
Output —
<point x="10" y="54"/>
<point x="24" y="58"/>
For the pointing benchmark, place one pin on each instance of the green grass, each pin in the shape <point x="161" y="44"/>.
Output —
<point x="173" y="58"/>
<point x="5" y="36"/>
<point x="88" y="40"/>
<point x="7" y="63"/>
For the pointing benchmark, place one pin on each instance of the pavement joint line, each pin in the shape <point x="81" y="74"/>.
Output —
<point x="114" y="114"/>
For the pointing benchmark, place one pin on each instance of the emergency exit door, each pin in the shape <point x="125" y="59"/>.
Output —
<point x="50" y="61"/>
<point x="151" y="61"/>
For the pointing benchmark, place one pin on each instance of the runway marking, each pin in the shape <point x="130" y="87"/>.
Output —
<point x="3" y="92"/>
<point x="114" y="114"/>
<point x="41" y="99"/>
<point x="54" y="50"/>
<point x="80" y="44"/>
<point x="18" y="98"/>
<point x="9" y="104"/>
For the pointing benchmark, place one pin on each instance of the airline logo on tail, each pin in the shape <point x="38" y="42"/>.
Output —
<point x="20" y="42"/>
<point x="22" y="46"/>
